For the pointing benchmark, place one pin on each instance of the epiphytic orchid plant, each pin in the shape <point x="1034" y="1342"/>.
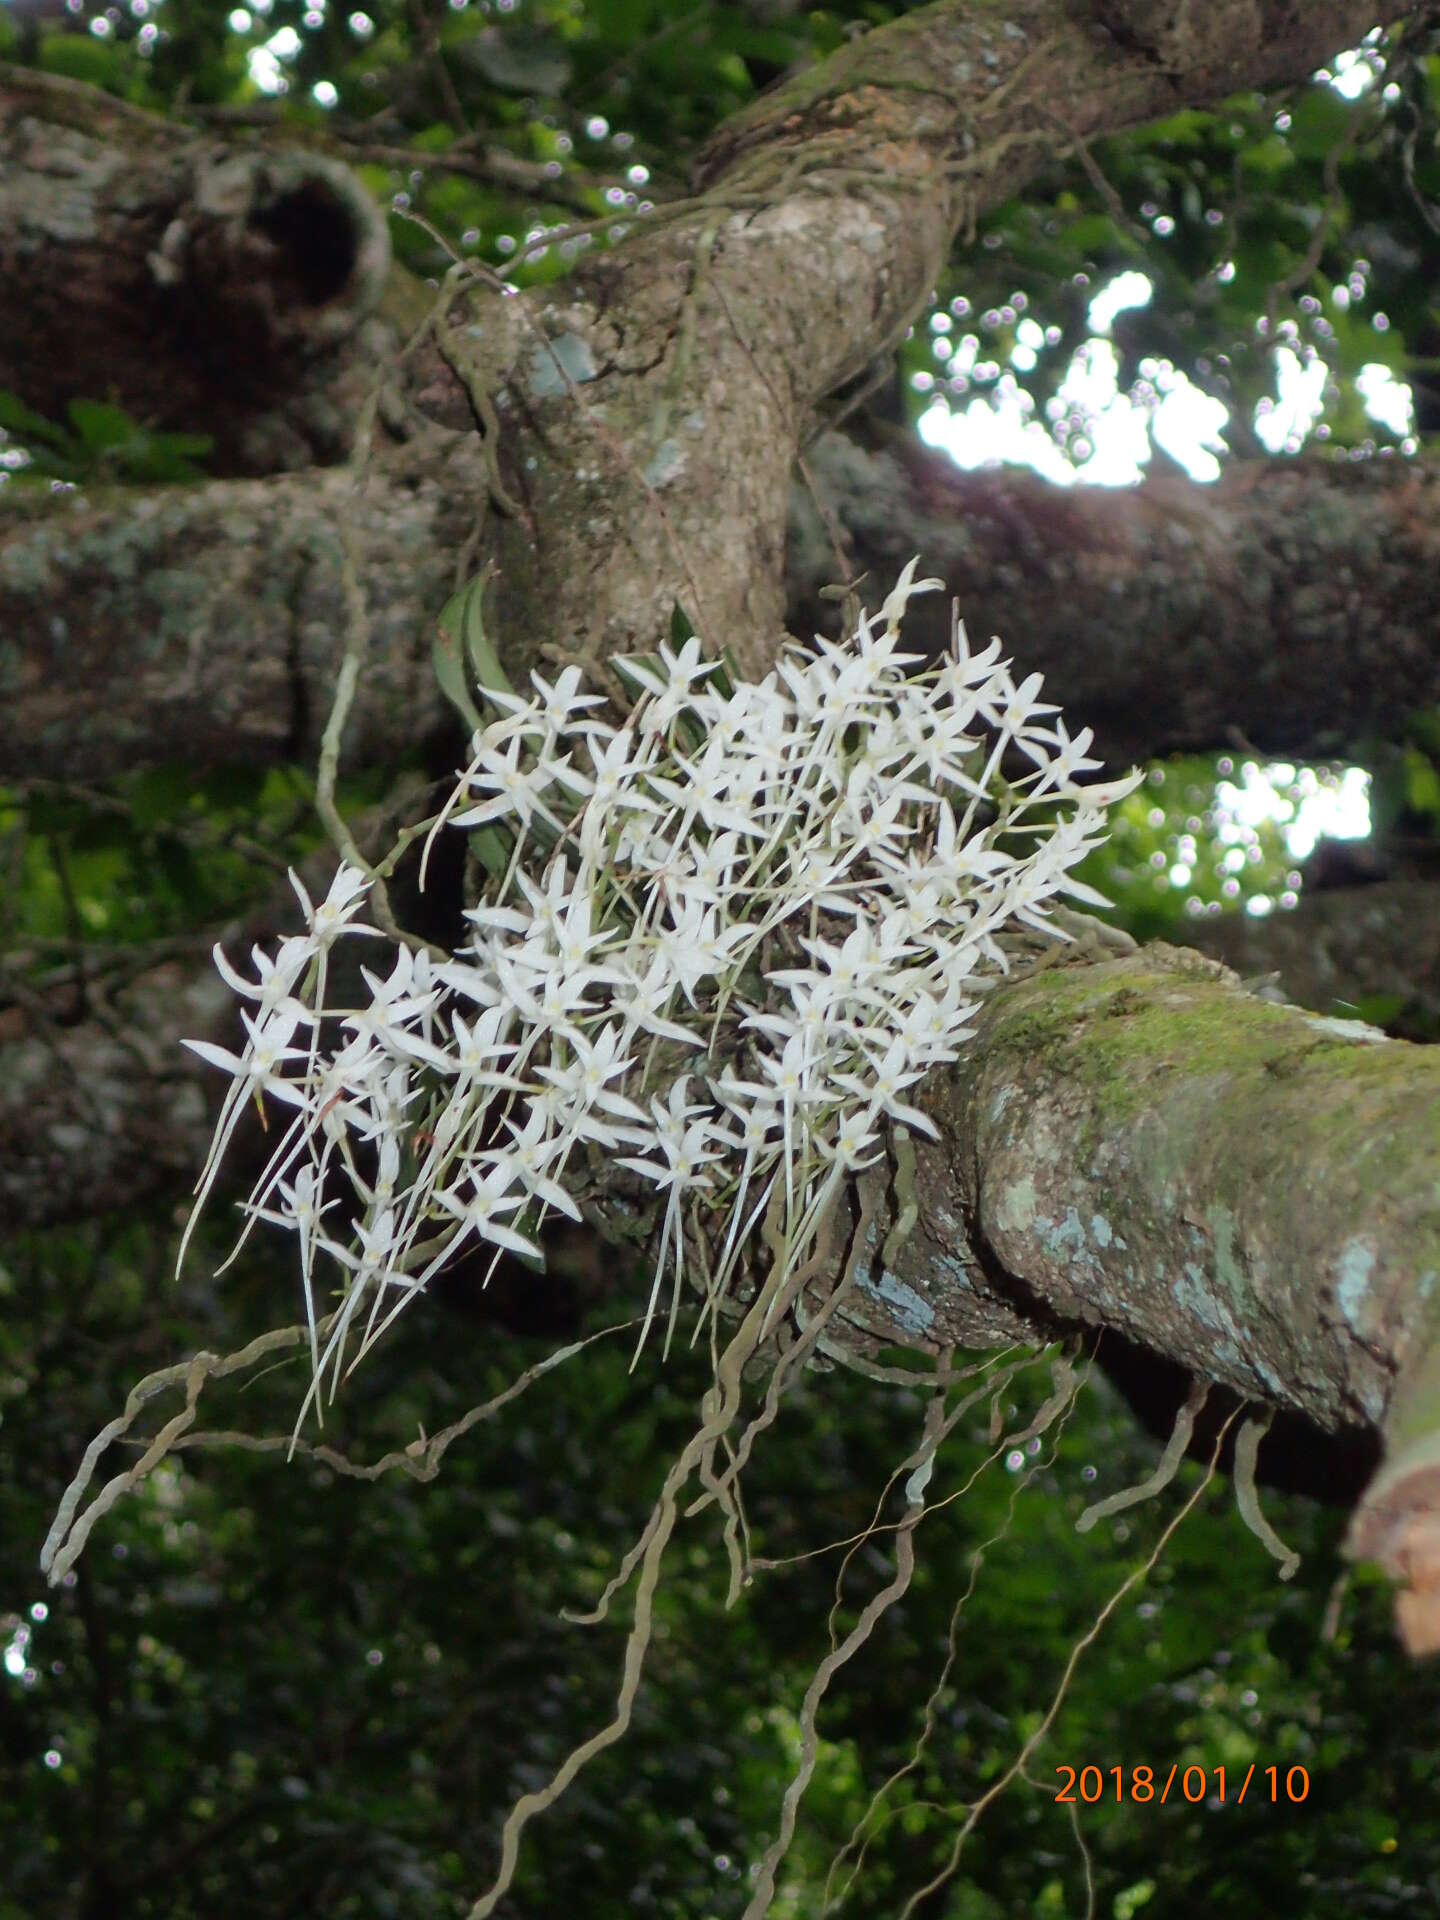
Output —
<point x="721" y="943"/>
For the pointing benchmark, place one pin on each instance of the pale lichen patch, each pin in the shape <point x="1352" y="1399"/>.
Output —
<point x="559" y="364"/>
<point x="1019" y="1207"/>
<point x="1353" y="1269"/>
<point x="910" y="1309"/>
<point x="1346" y="1029"/>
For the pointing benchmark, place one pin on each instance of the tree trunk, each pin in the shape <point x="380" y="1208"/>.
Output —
<point x="1133" y="1142"/>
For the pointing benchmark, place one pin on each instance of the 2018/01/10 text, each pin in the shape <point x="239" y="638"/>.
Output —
<point x="1090" y="1784"/>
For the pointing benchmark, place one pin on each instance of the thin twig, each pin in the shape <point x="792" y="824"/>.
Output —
<point x="429" y="38"/>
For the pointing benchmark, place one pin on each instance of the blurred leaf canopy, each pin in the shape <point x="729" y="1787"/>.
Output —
<point x="272" y="1691"/>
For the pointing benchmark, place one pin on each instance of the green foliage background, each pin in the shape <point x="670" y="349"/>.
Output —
<point x="271" y="1691"/>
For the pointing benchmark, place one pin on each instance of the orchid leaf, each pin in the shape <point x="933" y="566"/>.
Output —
<point x="462" y="653"/>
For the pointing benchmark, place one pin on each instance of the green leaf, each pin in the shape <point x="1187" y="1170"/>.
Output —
<point x="1095" y="233"/>
<point x="727" y="675"/>
<point x="1378" y="1009"/>
<point x="1188" y="128"/>
<point x="160" y="796"/>
<point x="167" y="456"/>
<point x="448" y="661"/>
<point x="483" y="659"/>
<point x="79" y="57"/>
<point x="1318" y="122"/>
<point x="1268" y="157"/>
<point x="462" y="652"/>
<point x="492" y="848"/>
<point x="17" y="418"/>
<point x="1422" y="782"/>
<point x="100" y="426"/>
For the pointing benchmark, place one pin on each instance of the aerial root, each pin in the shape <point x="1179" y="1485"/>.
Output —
<point x="870" y="1822"/>
<point x="1247" y="1497"/>
<point x="67" y="1536"/>
<point x="1164" y="1473"/>
<point x="936" y="1427"/>
<point x="719" y="1410"/>
<point x="810" y="1337"/>
<point x="1087" y="1639"/>
<point x="917" y="1469"/>
<point x="782" y="1291"/>
<point x="421" y="1459"/>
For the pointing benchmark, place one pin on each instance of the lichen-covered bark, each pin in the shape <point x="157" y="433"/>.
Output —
<point x="650" y="405"/>
<point x="1245" y="1187"/>
<point x="1340" y="947"/>
<point x="1143" y="1145"/>
<point x="705" y="347"/>
<point x="204" y="286"/>
<point x="207" y="623"/>
<point x="1249" y="1190"/>
<point x="1294" y="604"/>
<point x="980" y="80"/>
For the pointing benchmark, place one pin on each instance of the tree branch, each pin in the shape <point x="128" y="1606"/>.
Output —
<point x="1291" y="606"/>
<point x="1101" y="1114"/>
<point x="207" y="623"/>
<point x="223" y="290"/>
<point x="649" y="406"/>
<point x="1339" y="947"/>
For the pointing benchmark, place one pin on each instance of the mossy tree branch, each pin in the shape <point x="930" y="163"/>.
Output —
<point x="650" y="405"/>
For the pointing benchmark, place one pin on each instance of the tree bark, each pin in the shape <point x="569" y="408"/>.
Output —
<point x="111" y="1112"/>
<point x="1249" y="1190"/>
<point x="207" y="623"/>
<point x="646" y="410"/>
<point x="204" y="286"/>
<point x="102" y="1108"/>
<point x="1290" y="608"/>
<point x="1136" y="1143"/>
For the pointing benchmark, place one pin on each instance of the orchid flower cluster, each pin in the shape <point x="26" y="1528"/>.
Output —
<point x="720" y="944"/>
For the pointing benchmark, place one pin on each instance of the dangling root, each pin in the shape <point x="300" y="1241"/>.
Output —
<point x="718" y="1409"/>
<point x="67" y="1535"/>
<point x="421" y="1459"/>
<point x="1087" y="1639"/>
<point x="1064" y="1388"/>
<point x="810" y="1337"/>
<point x="918" y="1469"/>
<point x="724" y="1488"/>
<point x="935" y="1428"/>
<point x="869" y="1822"/>
<point x="1164" y="1473"/>
<point x="1247" y="1497"/>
